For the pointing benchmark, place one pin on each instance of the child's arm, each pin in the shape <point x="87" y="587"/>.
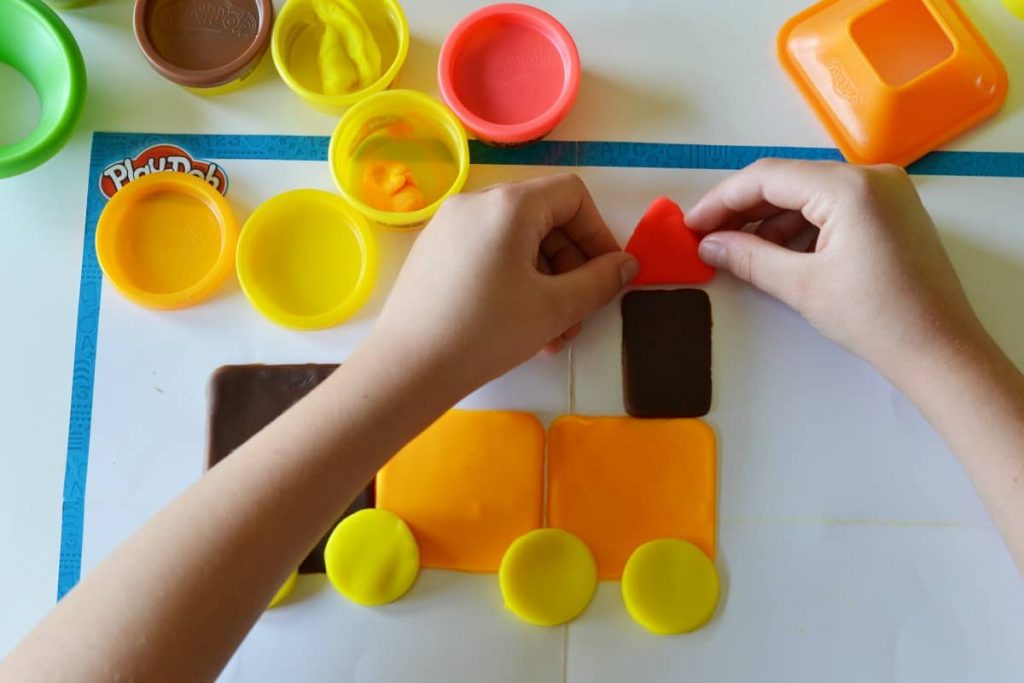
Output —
<point x="878" y="282"/>
<point x="175" y="600"/>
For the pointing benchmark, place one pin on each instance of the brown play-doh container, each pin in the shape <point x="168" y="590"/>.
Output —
<point x="208" y="46"/>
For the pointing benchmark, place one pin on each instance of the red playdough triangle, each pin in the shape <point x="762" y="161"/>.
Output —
<point x="667" y="248"/>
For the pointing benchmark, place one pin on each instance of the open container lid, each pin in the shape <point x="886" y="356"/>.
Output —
<point x="167" y="240"/>
<point x="892" y="80"/>
<point x="306" y="259"/>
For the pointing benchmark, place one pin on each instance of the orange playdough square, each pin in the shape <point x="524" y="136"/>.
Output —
<point x="468" y="486"/>
<point x="618" y="482"/>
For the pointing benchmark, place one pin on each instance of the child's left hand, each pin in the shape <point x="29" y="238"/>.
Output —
<point x="500" y="273"/>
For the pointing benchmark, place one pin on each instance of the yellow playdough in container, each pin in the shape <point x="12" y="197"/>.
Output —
<point x="335" y="52"/>
<point x="397" y="155"/>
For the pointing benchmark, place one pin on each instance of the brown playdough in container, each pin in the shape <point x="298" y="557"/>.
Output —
<point x="203" y="43"/>
<point x="246" y="398"/>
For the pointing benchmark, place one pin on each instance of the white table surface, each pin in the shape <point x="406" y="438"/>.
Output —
<point x="634" y="88"/>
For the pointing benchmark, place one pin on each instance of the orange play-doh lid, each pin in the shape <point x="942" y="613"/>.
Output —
<point x="892" y="80"/>
<point x="167" y="240"/>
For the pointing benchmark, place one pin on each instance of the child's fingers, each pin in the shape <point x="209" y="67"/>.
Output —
<point x="572" y="332"/>
<point x="781" y="229"/>
<point x="558" y="343"/>
<point x="763" y="188"/>
<point x="563" y="201"/>
<point x="738" y="219"/>
<point x="583" y="290"/>
<point x="553" y="346"/>
<point x="560" y="252"/>
<point x="542" y="264"/>
<point x="767" y="266"/>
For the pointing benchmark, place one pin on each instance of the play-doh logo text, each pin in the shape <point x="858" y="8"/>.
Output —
<point x="158" y="159"/>
<point x="216" y="16"/>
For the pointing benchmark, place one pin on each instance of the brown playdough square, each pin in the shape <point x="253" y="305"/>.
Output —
<point x="246" y="398"/>
<point x="666" y="353"/>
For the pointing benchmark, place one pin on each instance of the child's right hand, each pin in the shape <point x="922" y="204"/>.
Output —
<point x="876" y="279"/>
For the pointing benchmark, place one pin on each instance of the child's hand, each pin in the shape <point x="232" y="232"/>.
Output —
<point x="499" y="274"/>
<point x="876" y="278"/>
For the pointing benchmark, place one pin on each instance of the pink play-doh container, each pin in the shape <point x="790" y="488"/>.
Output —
<point x="510" y="72"/>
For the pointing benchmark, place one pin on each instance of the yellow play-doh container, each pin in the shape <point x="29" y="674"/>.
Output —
<point x="167" y="240"/>
<point x="332" y="56"/>
<point x="397" y="155"/>
<point x="306" y="260"/>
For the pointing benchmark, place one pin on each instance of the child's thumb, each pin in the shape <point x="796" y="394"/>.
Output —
<point x="585" y="289"/>
<point x="750" y="258"/>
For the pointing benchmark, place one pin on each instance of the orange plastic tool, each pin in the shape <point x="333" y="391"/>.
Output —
<point x="892" y="80"/>
<point x="468" y="486"/>
<point x="618" y="482"/>
<point x="666" y="248"/>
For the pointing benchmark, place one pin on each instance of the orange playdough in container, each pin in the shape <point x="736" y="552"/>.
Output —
<point x="391" y="186"/>
<point x="618" y="482"/>
<point x="397" y="155"/>
<point x="468" y="486"/>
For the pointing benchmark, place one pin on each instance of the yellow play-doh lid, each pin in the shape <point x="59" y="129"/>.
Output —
<point x="306" y="260"/>
<point x="167" y="240"/>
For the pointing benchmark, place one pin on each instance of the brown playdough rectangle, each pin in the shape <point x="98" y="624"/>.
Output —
<point x="666" y="353"/>
<point x="246" y="398"/>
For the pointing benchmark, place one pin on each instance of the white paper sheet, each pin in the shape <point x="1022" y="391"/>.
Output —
<point x="852" y="545"/>
<point x="828" y="602"/>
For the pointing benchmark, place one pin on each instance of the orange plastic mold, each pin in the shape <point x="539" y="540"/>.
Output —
<point x="892" y="80"/>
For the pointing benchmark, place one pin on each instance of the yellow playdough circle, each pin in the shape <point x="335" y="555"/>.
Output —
<point x="547" y="577"/>
<point x="372" y="557"/>
<point x="285" y="590"/>
<point x="670" y="586"/>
